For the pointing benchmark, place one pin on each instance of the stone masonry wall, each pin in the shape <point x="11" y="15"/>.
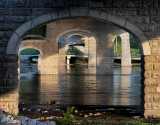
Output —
<point x="152" y="86"/>
<point x="8" y="83"/>
<point x="104" y="47"/>
<point x="145" y="14"/>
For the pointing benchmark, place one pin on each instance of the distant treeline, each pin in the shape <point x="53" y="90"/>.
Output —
<point x="29" y="51"/>
<point x="133" y="45"/>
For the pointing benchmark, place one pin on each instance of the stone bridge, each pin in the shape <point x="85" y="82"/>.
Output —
<point x="100" y="21"/>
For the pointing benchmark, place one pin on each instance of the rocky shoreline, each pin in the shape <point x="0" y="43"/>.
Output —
<point x="10" y="119"/>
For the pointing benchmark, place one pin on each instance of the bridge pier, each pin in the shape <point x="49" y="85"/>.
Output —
<point x="105" y="51"/>
<point x="68" y="60"/>
<point x="125" y="50"/>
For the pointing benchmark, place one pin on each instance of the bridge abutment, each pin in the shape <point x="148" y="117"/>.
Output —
<point x="140" y="18"/>
<point x="150" y="68"/>
<point x="9" y="83"/>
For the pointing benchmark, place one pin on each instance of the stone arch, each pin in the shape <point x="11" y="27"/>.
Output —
<point x="91" y="40"/>
<point x="17" y="36"/>
<point x="39" y="58"/>
<point x="127" y="59"/>
<point x="33" y="47"/>
<point x="77" y="30"/>
<point x="137" y="39"/>
<point x="78" y="34"/>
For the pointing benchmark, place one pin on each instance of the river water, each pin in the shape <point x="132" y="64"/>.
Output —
<point x="75" y="87"/>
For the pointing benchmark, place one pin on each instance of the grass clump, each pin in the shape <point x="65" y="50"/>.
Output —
<point x="68" y="118"/>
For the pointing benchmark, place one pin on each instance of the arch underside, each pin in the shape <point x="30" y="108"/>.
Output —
<point x="16" y="38"/>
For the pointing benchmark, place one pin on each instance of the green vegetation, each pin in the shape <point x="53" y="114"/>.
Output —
<point x="110" y="121"/>
<point x="74" y="51"/>
<point x="38" y="33"/>
<point x="68" y="118"/>
<point x="29" y="51"/>
<point x="133" y="45"/>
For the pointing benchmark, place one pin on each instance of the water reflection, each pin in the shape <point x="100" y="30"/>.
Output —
<point x="71" y="86"/>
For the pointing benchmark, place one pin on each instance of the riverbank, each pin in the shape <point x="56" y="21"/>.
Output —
<point x="88" y="115"/>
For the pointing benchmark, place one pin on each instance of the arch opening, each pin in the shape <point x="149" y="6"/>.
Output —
<point x="77" y="47"/>
<point x="16" y="38"/>
<point x="29" y="57"/>
<point x="22" y="30"/>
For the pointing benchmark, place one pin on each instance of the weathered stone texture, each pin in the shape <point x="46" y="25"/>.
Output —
<point x="145" y="14"/>
<point x="9" y="86"/>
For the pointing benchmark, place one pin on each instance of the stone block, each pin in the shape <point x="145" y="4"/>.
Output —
<point x="38" y="3"/>
<point x="157" y="59"/>
<point x="18" y="11"/>
<point x="156" y="97"/>
<point x="98" y="14"/>
<point x="150" y="89"/>
<point x="148" y="66"/>
<point x="158" y="89"/>
<point x="156" y="67"/>
<point x="3" y="82"/>
<point x="149" y="59"/>
<point x="116" y="20"/>
<point x="148" y="105"/>
<point x="8" y="34"/>
<point x="42" y="19"/>
<point x="8" y="89"/>
<point x="1" y="34"/>
<point x="63" y="13"/>
<point x="155" y="106"/>
<point x="76" y="3"/>
<point x="134" y="29"/>
<point x="15" y="3"/>
<point x="40" y="11"/>
<point x="1" y="89"/>
<point x="1" y="19"/>
<point x="59" y="3"/>
<point x="10" y="58"/>
<point x="2" y="3"/>
<point x="95" y="3"/>
<point x="156" y="75"/>
<point x="79" y="12"/>
<point x="24" y="28"/>
<point x="11" y="82"/>
<point x="3" y="11"/>
<point x="148" y="98"/>
<point x="151" y="81"/>
<point x="147" y="74"/>
<point x="2" y="49"/>
<point x="15" y="19"/>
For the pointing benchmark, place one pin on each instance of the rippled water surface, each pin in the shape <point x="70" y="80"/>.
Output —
<point x="77" y="87"/>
